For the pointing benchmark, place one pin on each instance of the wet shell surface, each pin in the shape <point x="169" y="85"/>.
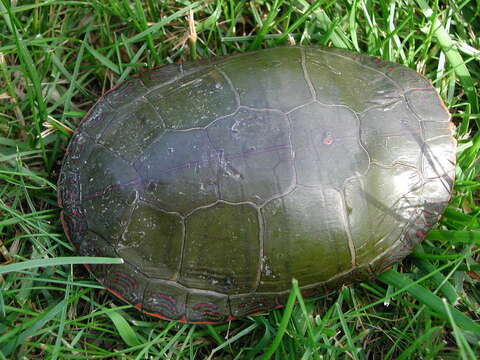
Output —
<point x="218" y="181"/>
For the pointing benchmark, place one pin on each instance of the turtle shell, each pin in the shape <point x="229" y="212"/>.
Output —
<point x="218" y="181"/>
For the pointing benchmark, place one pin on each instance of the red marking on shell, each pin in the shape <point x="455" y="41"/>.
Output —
<point x="167" y="306"/>
<point x="77" y="213"/>
<point x="65" y="228"/>
<point x="306" y="291"/>
<point x="204" y="305"/>
<point x="328" y="141"/>
<point x="428" y="214"/>
<point x="117" y="294"/>
<point x="377" y="60"/>
<point x="214" y="314"/>
<point x="165" y="303"/>
<point x="163" y="296"/>
<point x="158" y="315"/>
<point x="421" y="234"/>
<point x="183" y="319"/>
<point x="420" y="221"/>
<point x="120" y="277"/>
<point x="77" y="227"/>
<point x="71" y="196"/>
<point x="256" y="313"/>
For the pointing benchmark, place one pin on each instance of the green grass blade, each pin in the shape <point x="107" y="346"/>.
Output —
<point x="287" y="313"/>
<point x="66" y="260"/>
<point x="428" y="298"/>
<point x="124" y="329"/>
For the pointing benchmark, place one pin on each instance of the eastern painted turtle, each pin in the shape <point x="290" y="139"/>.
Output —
<point x="217" y="181"/>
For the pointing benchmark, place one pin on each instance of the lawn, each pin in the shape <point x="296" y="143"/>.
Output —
<point x="57" y="57"/>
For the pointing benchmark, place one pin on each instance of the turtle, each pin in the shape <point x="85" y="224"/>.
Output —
<point x="218" y="181"/>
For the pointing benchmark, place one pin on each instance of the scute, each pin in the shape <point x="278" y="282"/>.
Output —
<point x="219" y="180"/>
<point x="152" y="241"/>
<point x="407" y="78"/>
<point x="253" y="148"/>
<point x="127" y="282"/>
<point x="165" y="299"/>
<point x="340" y="80"/>
<point x="398" y="141"/>
<point x="275" y="84"/>
<point x="109" y="188"/>
<point x="319" y="140"/>
<point x="96" y="120"/>
<point x="388" y="204"/>
<point x="201" y="310"/>
<point x="254" y="303"/>
<point x="194" y="100"/>
<point x="179" y="171"/>
<point x="426" y="104"/>
<point x="125" y="93"/>
<point x="219" y="235"/>
<point x="142" y="124"/>
<point x="300" y="229"/>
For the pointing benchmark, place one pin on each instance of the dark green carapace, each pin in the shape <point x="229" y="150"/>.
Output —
<point x="221" y="180"/>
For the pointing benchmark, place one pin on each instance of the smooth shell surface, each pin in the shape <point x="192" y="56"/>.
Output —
<point x="219" y="181"/>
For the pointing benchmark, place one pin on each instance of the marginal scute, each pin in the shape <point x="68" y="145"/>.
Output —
<point x="69" y="187"/>
<point x="339" y="80"/>
<point x="142" y="124"/>
<point x="219" y="235"/>
<point x="166" y="300"/>
<point x="91" y="244"/>
<point x="128" y="282"/>
<point x="205" y="96"/>
<point x="79" y="151"/>
<point x="266" y="81"/>
<point x="250" y="304"/>
<point x="435" y="129"/>
<point x="305" y="238"/>
<point x="321" y="135"/>
<point x="390" y="142"/>
<point x="200" y="309"/>
<point x="412" y="233"/>
<point x="387" y="197"/>
<point x="435" y="191"/>
<point x="74" y="222"/>
<point x="180" y="171"/>
<point x="153" y="241"/>
<point x="427" y="105"/>
<point x="69" y="182"/>
<point x="254" y="148"/>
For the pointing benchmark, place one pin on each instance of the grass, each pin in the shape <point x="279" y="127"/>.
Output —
<point x="57" y="57"/>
